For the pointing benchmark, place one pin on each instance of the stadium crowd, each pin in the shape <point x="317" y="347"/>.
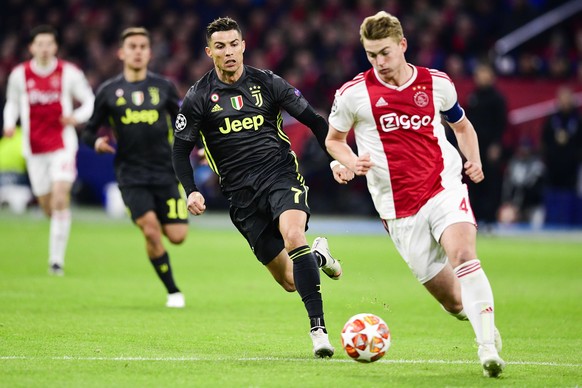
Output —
<point x="314" y="45"/>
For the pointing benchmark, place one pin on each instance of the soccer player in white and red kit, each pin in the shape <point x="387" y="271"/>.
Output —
<point x="40" y="93"/>
<point x="414" y="174"/>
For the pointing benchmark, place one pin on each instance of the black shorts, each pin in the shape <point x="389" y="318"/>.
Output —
<point x="259" y="222"/>
<point x="166" y="201"/>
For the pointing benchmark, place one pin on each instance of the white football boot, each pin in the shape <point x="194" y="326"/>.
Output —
<point x="321" y="346"/>
<point x="497" y="340"/>
<point x="176" y="300"/>
<point x="492" y="364"/>
<point x="332" y="267"/>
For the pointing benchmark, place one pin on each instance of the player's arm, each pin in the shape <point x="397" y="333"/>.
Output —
<point x="186" y="135"/>
<point x="464" y="131"/>
<point x="319" y="127"/>
<point x="297" y="106"/>
<point x="310" y="118"/>
<point x="89" y="134"/>
<point x="181" y="151"/>
<point x="338" y="147"/>
<point x="11" y="108"/>
<point x="469" y="146"/>
<point x="83" y="93"/>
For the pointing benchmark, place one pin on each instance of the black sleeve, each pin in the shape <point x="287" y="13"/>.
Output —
<point x="89" y="133"/>
<point x="182" y="167"/>
<point x="318" y="126"/>
<point x="173" y="104"/>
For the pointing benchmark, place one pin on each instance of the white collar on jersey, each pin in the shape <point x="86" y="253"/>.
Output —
<point x="404" y="85"/>
<point x="43" y="70"/>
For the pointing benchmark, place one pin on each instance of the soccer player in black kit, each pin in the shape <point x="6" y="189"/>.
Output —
<point x="234" y="110"/>
<point x="141" y="106"/>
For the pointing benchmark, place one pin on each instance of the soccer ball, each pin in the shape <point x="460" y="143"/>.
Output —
<point x="366" y="337"/>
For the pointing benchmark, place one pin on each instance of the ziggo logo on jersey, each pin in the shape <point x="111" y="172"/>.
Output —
<point x="392" y="121"/>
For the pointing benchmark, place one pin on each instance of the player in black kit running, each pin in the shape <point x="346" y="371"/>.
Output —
<point x="235" y="111"/>
<point x="140" y="106"/>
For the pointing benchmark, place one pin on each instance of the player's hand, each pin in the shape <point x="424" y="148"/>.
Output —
<point x="9" y="131"/>
<point x="474" y="170"/>
<point x="196" y="204"/>
<point x="363" y="164"/>
<point x="102" y="145"/>
<point x="68" y="120"/>
<point x="342" y="174"/>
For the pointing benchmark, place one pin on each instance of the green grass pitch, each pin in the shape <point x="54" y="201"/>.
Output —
<point x="105" y="325"/>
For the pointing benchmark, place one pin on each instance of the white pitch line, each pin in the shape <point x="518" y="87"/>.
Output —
<point x="188" y="359"/>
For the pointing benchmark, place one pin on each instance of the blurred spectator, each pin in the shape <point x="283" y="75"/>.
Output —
<point x="486" y="108"/>
<point x="14" y="185"/>
<point x="315" y="43"/>
<point x="562" y="153"/>
<point x="523" y="186"/>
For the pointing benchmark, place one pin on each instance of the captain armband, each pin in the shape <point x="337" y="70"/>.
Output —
<point x="455" y="114"/>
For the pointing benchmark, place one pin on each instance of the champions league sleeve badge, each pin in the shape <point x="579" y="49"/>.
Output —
<point x="181" y="122"/>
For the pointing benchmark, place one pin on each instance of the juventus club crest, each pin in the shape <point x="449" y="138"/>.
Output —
<point x="154" y="95"/>
<point x="256" y="93"/>
<point x="237" y="102"/>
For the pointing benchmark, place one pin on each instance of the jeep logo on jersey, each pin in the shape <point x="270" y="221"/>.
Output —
<point x="237" y="102"/>
<point x="140" y="116"/>
<point x="392" y="121"/>
<point x="254" y="122"/>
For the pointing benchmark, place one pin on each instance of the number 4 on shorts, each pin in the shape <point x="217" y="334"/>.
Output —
<point x="463" y="206"/>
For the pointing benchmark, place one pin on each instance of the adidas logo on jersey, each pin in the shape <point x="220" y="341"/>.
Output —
<point x="216" y="108"/>
<point x="381" y="102"/>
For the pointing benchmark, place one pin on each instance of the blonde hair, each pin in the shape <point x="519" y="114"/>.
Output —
<point x="381" y="25"/>
<point x="132" y="31"/>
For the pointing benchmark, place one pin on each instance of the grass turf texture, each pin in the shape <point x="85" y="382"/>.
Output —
<point x="105" y="324"/>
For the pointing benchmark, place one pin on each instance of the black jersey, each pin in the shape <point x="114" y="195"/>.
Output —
<point x="141" y="115"/>
<point x="240" y="126"/>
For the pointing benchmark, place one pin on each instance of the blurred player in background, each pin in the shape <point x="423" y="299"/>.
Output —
<point x="414" y="174"/>
<point x="235" y="111"/>
<point x="487" y="111"/>
<point x="141" y="106"/>
<point x="41" y="93"/>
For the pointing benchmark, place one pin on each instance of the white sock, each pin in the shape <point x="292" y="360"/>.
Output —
<point x="59" y="236"/>
<point x="477" y="300"/>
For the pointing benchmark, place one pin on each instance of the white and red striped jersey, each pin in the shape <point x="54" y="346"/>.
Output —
<point x="401" y="129"/>
<point x="40" y="97"/>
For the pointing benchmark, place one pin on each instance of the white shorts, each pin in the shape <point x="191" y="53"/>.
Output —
<point x="45" y="169"/>
<point x="417" y="237"/>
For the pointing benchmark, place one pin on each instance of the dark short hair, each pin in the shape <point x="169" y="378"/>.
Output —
<point x="132" y="31"/>
<point x="43" y="29"/>
<point x="221" y="24"/>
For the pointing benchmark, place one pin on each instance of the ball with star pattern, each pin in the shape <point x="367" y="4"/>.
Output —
<point x="365" y="337"/>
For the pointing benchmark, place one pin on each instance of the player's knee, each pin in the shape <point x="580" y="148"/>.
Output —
<point x="462" y="255"/>
<point x="177" y="234"/>
<point x="294" y="239"/>
<point x="177" y="239"/>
